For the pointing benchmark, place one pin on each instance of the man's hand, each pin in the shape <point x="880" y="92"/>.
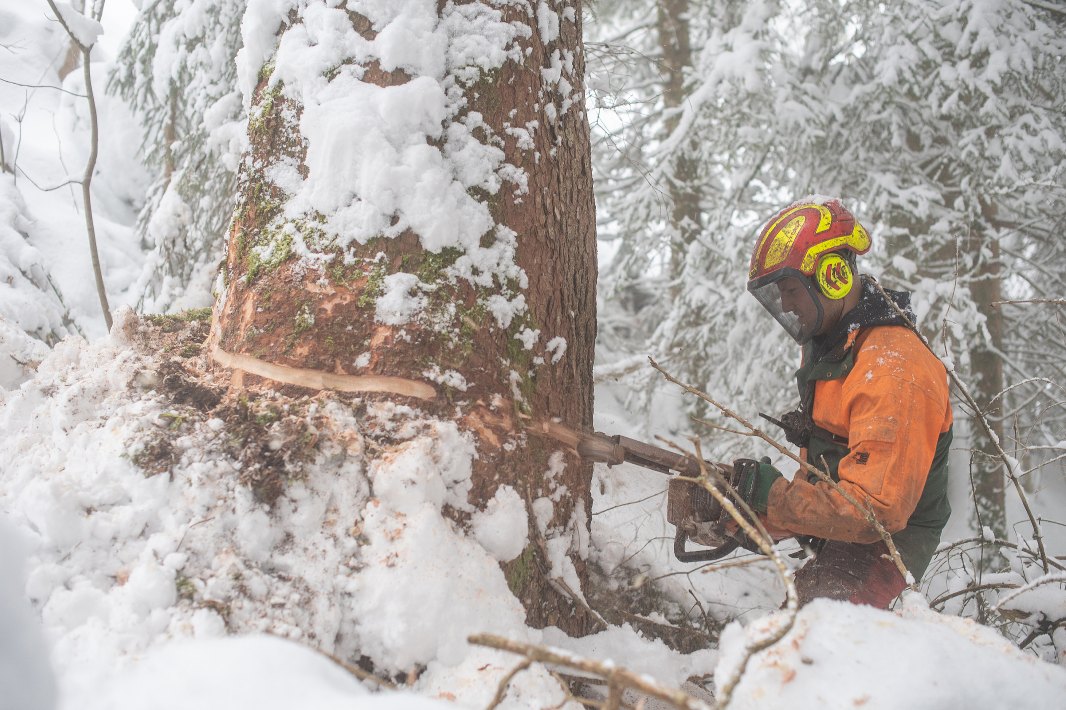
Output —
<point x="754" y="480"/>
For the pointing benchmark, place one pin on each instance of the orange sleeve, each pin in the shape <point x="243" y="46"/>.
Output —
<point x="893" y="405"/>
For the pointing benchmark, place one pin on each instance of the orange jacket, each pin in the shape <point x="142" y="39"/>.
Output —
<point x="892" y="408"/>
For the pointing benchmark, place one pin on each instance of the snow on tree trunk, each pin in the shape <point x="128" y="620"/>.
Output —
<point x="415" y="222"/>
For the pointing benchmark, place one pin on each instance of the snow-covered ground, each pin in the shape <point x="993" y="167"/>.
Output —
<point x="123" y="586"/>
<point x="137" y="579"/>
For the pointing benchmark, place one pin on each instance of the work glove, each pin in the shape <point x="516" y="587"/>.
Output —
<point x="754" y="479"/>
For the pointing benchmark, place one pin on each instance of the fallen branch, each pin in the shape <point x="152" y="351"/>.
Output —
<point x="615" y="676"/>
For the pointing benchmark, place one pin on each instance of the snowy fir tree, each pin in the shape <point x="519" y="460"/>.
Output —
<point x="177" y="72"/>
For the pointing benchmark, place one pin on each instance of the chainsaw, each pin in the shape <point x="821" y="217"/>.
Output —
<point x="690" y="508"/>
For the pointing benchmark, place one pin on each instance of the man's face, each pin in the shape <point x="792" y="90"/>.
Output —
<point x="791" y="300"/>
<point x="797" y="300"/>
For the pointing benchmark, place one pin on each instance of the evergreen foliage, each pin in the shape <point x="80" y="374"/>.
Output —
<point x="177" y="71"/>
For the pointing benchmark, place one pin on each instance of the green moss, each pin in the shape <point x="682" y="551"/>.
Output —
<point x="341" y="274"/>
<point x="266" y="70"/>
<point x="521" y="570"/>
<point x="433" y="265"/>
<point x="280" y="241"/>
<point x="305" y="318"/>
<point x="173" y="419"/>
<point x="185" y="588"/>
<point x="268" y="416"/>
<point x="171" y="321"/>
<point x="375" y="286"/>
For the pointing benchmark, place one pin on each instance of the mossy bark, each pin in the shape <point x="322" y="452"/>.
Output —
<point x="278" y="310"/>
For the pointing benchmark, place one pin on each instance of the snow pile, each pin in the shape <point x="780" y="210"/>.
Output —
<point x="838" y="655"/>
<point x="26" y="679"/>
<point x="246" y="673"/>
<point x="354" y="557"/>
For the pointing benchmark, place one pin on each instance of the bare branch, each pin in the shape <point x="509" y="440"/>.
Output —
<point x="43" y="86"/>
<point x="1055" y="301"/>
<point x="972" y="589"/>
<point x="611" y="673"/>
<point x="46" y="189"/>
<point x="1055" y="578"/>
<point x="1000" y="543"/>
<point x="501" y="690"/>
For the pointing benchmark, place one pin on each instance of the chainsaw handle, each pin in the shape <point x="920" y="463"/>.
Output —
<point x="705" y="555"/>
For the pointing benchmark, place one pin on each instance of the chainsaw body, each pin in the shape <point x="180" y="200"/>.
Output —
<point x="691" y="508"/>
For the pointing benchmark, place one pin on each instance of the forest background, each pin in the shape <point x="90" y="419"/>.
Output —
<point x="942" y="125"/>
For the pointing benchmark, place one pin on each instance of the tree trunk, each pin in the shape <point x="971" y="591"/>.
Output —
<point x="461" y="345"/>
<point x="675" y="44"/>
<point x="987" y="366"/>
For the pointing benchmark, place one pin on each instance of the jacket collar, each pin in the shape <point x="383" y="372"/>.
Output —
<point x="871" y="310"/>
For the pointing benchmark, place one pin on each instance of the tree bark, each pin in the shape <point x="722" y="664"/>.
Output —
<point x="675" y="44"/>
<point x="282" y="323"/>
<point x="987" y="365"/>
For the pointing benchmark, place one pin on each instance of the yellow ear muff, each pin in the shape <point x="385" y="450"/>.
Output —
<point x="834" y="276"/>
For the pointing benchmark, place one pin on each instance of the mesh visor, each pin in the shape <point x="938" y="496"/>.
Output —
<point x="792" y="303"/>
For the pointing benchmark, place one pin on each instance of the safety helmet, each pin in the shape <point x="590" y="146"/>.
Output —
<point x="814" y="243"/>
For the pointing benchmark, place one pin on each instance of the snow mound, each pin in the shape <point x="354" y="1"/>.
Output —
<point x="160" y="510"/>
<point x="245" y="673"/>
<point x="839" y="655"/>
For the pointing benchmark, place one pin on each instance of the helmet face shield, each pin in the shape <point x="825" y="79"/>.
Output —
<point x="792" y="301"/>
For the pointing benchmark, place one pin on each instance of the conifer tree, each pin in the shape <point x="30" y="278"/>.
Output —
<point x="177" y="72"/>
<point x="415" y="223"/>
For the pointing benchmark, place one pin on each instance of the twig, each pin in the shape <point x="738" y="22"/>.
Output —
<point x="975" y="588"/>
<point x="983" y="420"/>
<point x="46" y="189"/>
<point x="719" y="427"/>
<point x="43" y="86"/>
<point x="561" y="680"/>
<point x="1001" y="543"/>
<point x="1046" y="579"/>
<point x="354" y="670"/>
<point x="611" y="673"/>
<point x="90" y="166"/>
<point x="753" y="527"/>
<point x="1040" y="630"/>
<point x="1054" y="301"/>
<point x="501" y="690"/>
<point x="632" y="502"/>
<point x="577" y="599"/>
